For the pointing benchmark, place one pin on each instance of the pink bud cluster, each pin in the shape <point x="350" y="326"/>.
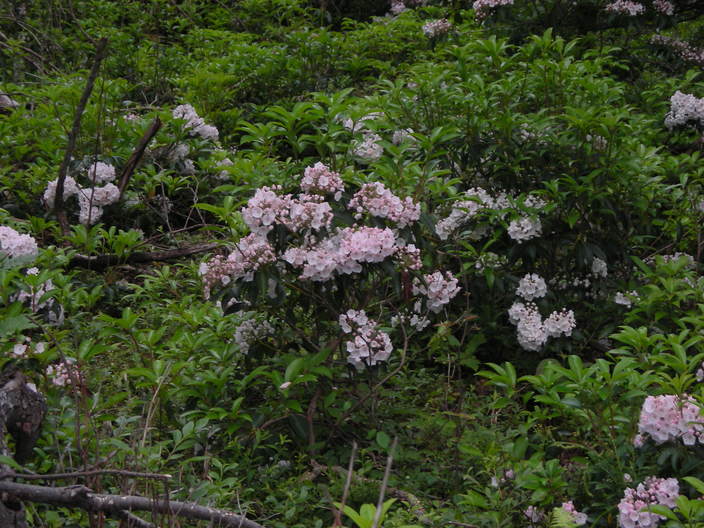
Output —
<point x="668" y="418"/>
<point x="195" y="124"/>
<point x="625" y="7"/>
<point x="483" y="8"/>
<point x="64" y="373"/>
<point x="408" y="257"/>
<point x="532" y="331"/>
<point x="684" y="49"/>
<point x="439" y="289"/>
<point x="377" y="200"/>
<point x="436" y="28"/>
<point x="653" y="491"/>
<point x="368" y="345"/>
<point x="319" y="179"/>
<point x="683" y="109"/>
<point x="15" y="246"/>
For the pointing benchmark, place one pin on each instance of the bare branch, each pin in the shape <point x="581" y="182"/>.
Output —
<point x="79" y="474"/>
<point x="73" y="135"/>
<point x="137" y="154"/>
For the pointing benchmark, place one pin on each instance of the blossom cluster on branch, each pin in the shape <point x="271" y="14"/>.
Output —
<point x="304" y="238"/>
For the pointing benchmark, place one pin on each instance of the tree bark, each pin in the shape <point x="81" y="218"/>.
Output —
<point x="22" y="411"/>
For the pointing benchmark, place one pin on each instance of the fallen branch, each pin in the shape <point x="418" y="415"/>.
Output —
<point x="83" y="498"/>
<point x="137" y="154"/>
<point x="99" y="262"/>
<point x="59" y="210"/>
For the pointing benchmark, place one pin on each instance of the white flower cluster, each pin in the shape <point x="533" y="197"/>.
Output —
<point x="483" y="8"/>
<point x="369" y="148"/>
<point x="490" y="260"/>
<point x="532" y="331"/>
<point x="91" y="200"/>
<point x="250" y="331"/>
<point x="683" y="109"/>
<point x="626" y="299"/>
<point x="524" y="228"/>
<point x="416" y="319"/>
<point x="16" y="248"/>
<point x="477" y="201"/>
<point x="368" y="345"/>
<point x="531" y="286"/>
<point x="195" y="124"/>
<point x="24" y="348"/>
<point x="625" y="7"/>
<point x="599" y="268"/>
<point x="402" y="136"/>
<point x="439" y="289"/>
<point x="436" y="28"/>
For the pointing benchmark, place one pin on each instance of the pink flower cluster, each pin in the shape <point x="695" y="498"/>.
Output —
<point x="368" y="345"/>
<point x="266" y="208"/>
<point x="664" y="6"/>
<point x="251" y="253"/>
<point x="343" y="253"/>
<point x="377" y="200"/>
<point x="625" y="7"/>
<point x="578" y="517"/>
<point x="436" y="28"/>
<point x="439" y="289"/>
<point x="319" y="179"/>
<point x="15" y="246"/>
<point x="684" y="49"/>
<point x="670" y="417"/>
<point x="653" y="491"/>
<point x="483" y="8"/>
<point x="532" y="331"/>
<point x="684" y="108"/>
<point x="195" y="123"/>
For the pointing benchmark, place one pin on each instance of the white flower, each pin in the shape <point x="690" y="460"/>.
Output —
<point x="532" y="286"/>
